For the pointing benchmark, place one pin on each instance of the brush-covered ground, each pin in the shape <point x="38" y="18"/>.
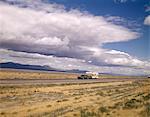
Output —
<point x="35" y="74"/>
<point x="115" y="99"/>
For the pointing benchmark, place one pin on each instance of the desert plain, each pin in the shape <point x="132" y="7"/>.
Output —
<point x="127" y="98"/>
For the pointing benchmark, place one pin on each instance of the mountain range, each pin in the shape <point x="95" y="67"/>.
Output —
<point x="12" y="65"/>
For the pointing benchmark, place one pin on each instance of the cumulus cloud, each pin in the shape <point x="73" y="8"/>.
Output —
<point x="115" y="57"/>
<point x="38" y="59"/>
<point x="37" y="5"/>
<point x="122" y="58"/>
<point x="75" y="38"/>
<point x="131" y="24"/>
<point x="61" y="33"/>
<point x="65" y="63"/>
<point x="147" y="20"/>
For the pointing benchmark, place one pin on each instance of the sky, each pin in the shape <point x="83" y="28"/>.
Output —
<point x="106" y="36"/>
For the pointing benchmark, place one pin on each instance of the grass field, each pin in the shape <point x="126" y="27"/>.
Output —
<point x="26" y="74"/>
<point x="117" y="99"/>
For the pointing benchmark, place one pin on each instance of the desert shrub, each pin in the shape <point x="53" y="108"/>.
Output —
<point x="75" y="115"/>
<point x="49" y="105"/>
<point x="139" y="94"/>
<point x="14" y="112"/>
<point x="117" y="105"/>
<point x="76" y="98"/>
<point x="58" y="100"/>
<point x="146" y="111"/>
<point x="133" y="103"/>
<point x="103" y="110"/>
<point x="100" y="93"/>
<point x="55" y="113"/>
<point x="85" y="113"/>
<point x="29" y="110"/>
<point x="2" y="113"/>
<point x="147" y="97"/>
<point x="63" y="100"/>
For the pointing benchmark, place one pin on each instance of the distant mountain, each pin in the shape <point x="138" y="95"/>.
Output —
<point x="23" y="66"/>
<point x="76" y="71"/>
<point x="36" y="67"/>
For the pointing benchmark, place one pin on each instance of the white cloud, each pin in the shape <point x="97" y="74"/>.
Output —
<point x="53" y="41"/>
<point x="123" y="1"/>
<point x="33" y="29"/>
<point x="147" y="20"/>
<point x="73" y="36"/>
<point x="114" y="57"/>
<point x="122" y="58"/>
<point x="65" y="63"/>
<point x="37" y="5"/>
<point x="147" y="8"/>
<point x="38" y="59"/>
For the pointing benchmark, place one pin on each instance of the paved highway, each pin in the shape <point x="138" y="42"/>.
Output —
<point x="62" y="81"/>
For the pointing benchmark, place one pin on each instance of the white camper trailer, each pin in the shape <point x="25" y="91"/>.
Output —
<point x="93" y="74"/>
<point x="89" y="75"/>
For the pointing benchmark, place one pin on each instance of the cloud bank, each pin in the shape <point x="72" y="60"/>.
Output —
<point x="66" y="63"/>
<point x="47" y="30"/>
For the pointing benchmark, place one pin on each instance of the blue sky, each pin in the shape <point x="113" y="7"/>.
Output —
<point x="107" y="36"/>
<point x="131" y="10"/>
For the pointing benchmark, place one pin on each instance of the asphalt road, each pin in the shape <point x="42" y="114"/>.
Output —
<point x="62" y="81"/>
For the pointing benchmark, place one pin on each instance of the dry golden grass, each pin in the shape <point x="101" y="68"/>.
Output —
<point x="26" y="74"/>
<point x="115" y="76"/>
<point x="116" y="99"/>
